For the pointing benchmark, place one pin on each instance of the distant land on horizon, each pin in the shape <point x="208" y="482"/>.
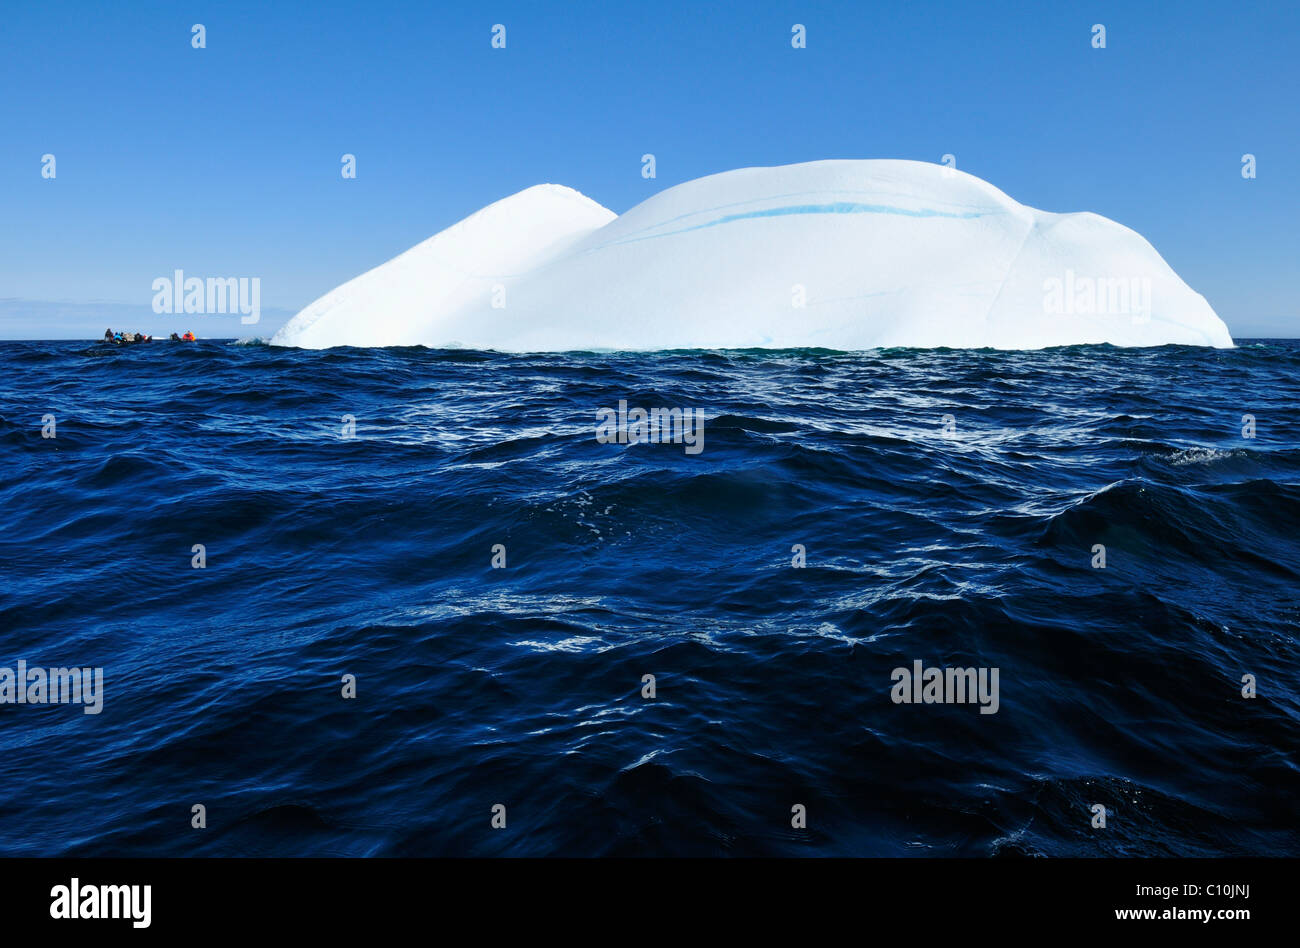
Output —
<point x="88" y="319"/>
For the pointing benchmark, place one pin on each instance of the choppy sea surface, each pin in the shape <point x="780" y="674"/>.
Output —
<point x="961" y="542"/>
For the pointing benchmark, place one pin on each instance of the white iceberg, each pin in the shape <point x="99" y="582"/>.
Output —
<point x="837" y="254"/>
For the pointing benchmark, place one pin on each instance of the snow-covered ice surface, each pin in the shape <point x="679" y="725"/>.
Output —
<point x="836" y="254"/>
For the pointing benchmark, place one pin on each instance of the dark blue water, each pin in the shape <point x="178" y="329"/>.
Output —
<point x="371" y="556"/>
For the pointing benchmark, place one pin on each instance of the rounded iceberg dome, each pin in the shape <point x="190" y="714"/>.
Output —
<point x="835" y="254"/>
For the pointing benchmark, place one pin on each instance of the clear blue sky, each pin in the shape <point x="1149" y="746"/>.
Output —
<point x="225" y="161"/>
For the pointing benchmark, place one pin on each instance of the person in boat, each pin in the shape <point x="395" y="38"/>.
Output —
<point x="108" y="335"/>
<point x="188" y="337"/>
<point x="175" y="338"/>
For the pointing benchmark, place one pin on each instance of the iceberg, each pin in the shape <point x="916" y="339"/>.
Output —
<point x="845" y="255"/>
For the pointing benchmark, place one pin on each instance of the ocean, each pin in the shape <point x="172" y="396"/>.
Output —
<point x="406" y="602"/>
